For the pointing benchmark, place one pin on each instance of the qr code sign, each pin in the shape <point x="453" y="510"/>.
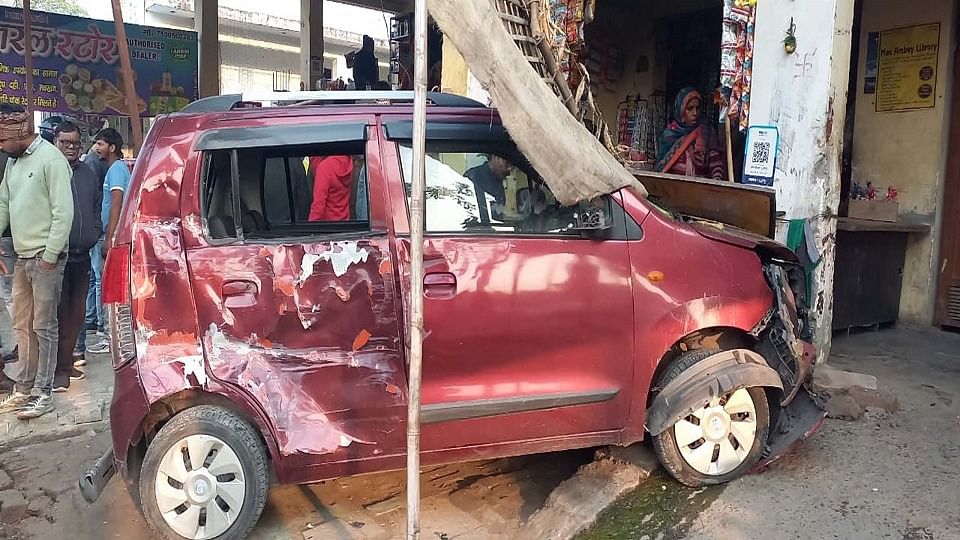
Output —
<point x="761" y="152"/>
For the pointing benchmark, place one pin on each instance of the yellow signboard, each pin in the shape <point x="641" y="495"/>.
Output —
<point x="907" y="71"/>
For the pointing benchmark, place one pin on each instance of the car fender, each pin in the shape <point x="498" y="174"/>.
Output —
<point x="714" y="376"/>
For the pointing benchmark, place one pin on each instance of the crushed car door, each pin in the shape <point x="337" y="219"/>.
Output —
<point x="293" y="277"/>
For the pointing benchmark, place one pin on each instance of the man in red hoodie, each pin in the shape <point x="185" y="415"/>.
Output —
<point x="332" y="181"/>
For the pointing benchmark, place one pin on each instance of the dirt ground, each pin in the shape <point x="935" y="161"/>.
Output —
<point x="895" y="476"/>
<point x="882" y="476"/>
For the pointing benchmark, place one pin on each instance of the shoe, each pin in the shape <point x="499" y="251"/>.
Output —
<point x="12" y="356"/>
<point x="13" y="402"/>
<point x="90" y="327"/>
<point x="36" y="407"/>
<point x="61" y="386"/>
<point x="77" y="375"/>
<point x="101" y="347"/>
<point x="79" y="361"/>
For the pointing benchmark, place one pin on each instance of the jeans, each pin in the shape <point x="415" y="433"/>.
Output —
<point x="95" y="315"/>
<point x="8" y="339"/>
<point x="36" y="296"/>
<point x="70" y="316"/>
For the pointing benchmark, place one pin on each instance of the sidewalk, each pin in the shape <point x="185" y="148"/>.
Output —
<point x="84" y="407"/>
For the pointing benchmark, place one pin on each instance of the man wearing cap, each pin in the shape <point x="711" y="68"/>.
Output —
<point x="36" y="201"/>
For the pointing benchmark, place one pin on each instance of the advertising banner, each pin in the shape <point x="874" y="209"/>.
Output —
<point x="76" y="65"/>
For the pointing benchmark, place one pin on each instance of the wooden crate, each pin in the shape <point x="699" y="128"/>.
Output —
<point x="873" y="210"/>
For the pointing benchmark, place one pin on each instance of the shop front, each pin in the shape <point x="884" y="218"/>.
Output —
<point x="77" y="73"/>
<point x="896" y="256"/>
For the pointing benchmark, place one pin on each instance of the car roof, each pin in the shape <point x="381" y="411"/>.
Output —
<point x="385" y="101"/>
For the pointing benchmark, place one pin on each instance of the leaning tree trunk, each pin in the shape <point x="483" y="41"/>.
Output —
<point x="573" y="163"/>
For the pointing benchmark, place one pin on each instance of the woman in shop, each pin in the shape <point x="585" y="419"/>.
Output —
<point x="688" y="146"/>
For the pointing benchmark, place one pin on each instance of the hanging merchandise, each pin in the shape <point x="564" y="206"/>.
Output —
<point x="736" y="60"/>
<point x="740" y="97"/>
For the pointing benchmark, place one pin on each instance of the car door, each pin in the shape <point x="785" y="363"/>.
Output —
<point x="300" y="312"/>
<point x="529" y="324"/>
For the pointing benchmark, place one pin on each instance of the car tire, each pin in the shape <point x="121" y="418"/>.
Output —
<point x="687" y="460"/>
<point x="220" y="496"/>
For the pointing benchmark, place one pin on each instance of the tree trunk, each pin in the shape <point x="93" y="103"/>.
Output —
<point x="572" y="162"/>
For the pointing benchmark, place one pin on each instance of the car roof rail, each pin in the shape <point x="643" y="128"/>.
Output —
<point x="229" y="102"/>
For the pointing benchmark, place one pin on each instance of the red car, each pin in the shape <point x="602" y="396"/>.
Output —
<point x="251" y="343"/>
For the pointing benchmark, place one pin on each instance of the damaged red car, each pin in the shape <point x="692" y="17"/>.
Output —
<point x="259" y="288"/>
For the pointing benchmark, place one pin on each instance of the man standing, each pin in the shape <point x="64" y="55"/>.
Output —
<point x="36" y="201"/>
<point x="108" y="144"/>
<point x="87" y="203"/>
<point x="365" y="70"/>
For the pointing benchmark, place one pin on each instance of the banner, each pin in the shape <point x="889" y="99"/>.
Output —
<point x="907" y="70"/>
<point x="76" y="65"/>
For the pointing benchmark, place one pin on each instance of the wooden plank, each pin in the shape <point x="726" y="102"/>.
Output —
<point x="867" y="225"/>
<point x="573" y="163"/>
<point x="748" y="207"/>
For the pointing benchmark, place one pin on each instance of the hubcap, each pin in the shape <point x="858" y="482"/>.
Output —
<point x="200" y="487"/>
<point x="717" y="438"/>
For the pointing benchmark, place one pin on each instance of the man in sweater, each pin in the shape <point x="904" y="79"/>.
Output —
<point x="36" y="201"/>
<point x="87" y="200"/>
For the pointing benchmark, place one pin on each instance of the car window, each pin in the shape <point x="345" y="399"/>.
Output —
<point x="286" y="192"/>
<point x="485" y="189"/>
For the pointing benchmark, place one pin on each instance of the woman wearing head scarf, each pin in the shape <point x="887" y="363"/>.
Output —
<point x="688" y="146"/>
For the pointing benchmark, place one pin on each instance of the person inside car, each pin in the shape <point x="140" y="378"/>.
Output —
<point x="488" y="182"/>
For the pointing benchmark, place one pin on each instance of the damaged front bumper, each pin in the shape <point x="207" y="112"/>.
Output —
<point x="783" y="339"/>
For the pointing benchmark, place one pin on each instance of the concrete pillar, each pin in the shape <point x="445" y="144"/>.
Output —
<point x="207" y="25"/>
<point x="804" y="95"/>
<point x="311" y="43"/>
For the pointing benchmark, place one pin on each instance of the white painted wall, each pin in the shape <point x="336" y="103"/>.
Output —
<point x="804" y="94"/>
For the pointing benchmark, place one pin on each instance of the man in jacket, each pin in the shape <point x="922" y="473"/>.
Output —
<point x="87" y="201"/>
<point x="36" y="201"/>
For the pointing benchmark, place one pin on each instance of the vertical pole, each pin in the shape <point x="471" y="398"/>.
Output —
<point x="28" y="58"/>
<point x="416" y="267"/>
<point x="729" y="138"/>
<point x="129" y="87"/>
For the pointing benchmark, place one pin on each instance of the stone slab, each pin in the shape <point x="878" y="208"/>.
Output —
<point x="828" y="379"/>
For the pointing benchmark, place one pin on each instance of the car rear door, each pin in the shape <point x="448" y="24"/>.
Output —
<point x="300" y="313"/>
<point x="529" y="325"/>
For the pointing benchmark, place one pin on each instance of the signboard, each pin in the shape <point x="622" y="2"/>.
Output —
<point x="907" y="68"/>
<point x="760" y="164"/>
<point x="76" y="65"/>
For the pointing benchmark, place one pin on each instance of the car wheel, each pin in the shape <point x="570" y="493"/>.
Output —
<point x="204" y="476"/>
<point x="719" y="441"/>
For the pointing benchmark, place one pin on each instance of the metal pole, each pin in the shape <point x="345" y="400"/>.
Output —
<point x="129" y="86"/>
<point x="416" y="267"/>
<point x="28" y="58"/>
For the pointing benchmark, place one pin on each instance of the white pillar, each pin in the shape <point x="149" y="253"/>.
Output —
<point x="311" y="43"/>
<point x="206" y="23"/>
<point x="804" y="95"/>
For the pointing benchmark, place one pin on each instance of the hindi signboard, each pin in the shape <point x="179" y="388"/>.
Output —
<point x="76" y="65"/>
<point x="907" y="68"/>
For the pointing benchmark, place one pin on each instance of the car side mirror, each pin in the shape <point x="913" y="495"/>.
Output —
<point x="594" y="215"/>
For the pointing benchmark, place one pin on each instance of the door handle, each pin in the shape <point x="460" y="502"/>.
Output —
<point x="239" y="293"/>
<point x="440" y="285"/>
